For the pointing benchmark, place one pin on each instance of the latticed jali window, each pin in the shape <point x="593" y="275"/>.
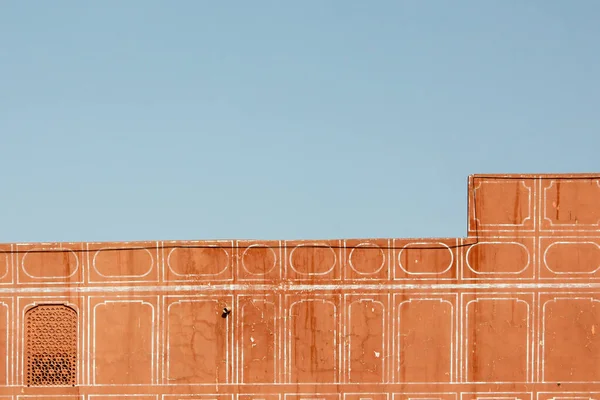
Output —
<point x="51" y="345"/>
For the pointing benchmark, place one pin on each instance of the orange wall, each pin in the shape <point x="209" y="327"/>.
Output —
<point x="513" y="308"/>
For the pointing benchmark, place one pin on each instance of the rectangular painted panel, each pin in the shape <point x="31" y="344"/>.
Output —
<point x="4" y="342"/>
<point x="258" y="341"/>
<point x="366" y="338"/>
<point x="425" y="330"/>
<point x="197" y="338"/>
<point x="571" y="204"/>
<point x="571" y="340"/>
<point x="312" y="351"/>
<point x="123" y="348"/>
<point x="496" y="339"/>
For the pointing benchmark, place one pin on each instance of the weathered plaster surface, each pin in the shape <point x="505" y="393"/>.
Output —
<point x="511" y="311"/>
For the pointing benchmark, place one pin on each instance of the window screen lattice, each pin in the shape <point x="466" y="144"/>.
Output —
<point x="51" y="345"/>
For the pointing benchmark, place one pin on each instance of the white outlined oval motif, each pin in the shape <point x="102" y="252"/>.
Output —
<point x="219" y="272"/>
<point x="498" y="272"/>
<point x="94" y="260"/>
<point x="567" y="243"/>
<point x="408" y="247"/>
<point x="6" y="263"/>
<point x="367" y="245"/>
<point x="313" y="246"/>
<point x="50" y="251"/>
<point x="258" y="246"/>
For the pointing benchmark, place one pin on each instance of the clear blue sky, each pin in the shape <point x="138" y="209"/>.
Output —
<point x="134" y="120"/>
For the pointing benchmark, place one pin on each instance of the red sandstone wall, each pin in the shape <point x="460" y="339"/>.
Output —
<point x="512" y="311"/>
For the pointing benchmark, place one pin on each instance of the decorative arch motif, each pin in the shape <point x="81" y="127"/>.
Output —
<point x="51" y="345"/>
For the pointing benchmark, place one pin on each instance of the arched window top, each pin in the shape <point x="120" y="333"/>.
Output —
<point x="51" y="345"/>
